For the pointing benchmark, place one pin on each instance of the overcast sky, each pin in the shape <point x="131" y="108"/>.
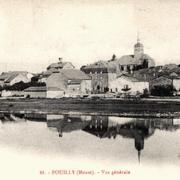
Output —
<point x="34" y="33"/>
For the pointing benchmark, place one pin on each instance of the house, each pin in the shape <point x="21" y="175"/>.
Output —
<point x="55" y="68"/>
<point x="12" y="77"/>
<point x="12" y="93"/>
<point x="60" y="65"/>
<point x="35" y="92"/>
<point x="176" y="85"/>
<point x="102" y="74"/>
<point x="68" y="82"/>
<point x="129" y="83"/>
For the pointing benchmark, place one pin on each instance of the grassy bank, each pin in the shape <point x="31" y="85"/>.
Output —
<point x="93" y="107"/>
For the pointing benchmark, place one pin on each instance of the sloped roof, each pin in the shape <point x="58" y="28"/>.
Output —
<point x="4" y="76"/>
<point x="100" y="66"/>
<point x="54" y="89"/>
<point x="71" y="74"/>
<point x="111" y="65"/>
<point x="131" y="78"/>
<point x="74" y="81"/>
<point x="55" y="65"/>
<point x="127" y="59"/>
<point x="131" y="60"/>
<point x="58" y="65"/>
<point x="36" y="89"/>
<point x="9" y="76"/>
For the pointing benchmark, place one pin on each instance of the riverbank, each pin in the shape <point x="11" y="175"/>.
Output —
<point x="117" y="107"/>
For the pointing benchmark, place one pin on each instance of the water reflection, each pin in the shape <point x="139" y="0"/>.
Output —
<point x="101" y="127"/>
<point x="111" y="127"/>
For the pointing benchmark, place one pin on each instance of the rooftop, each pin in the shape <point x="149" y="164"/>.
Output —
<point x="131" y="78"/>
<point x="36" y="89"/>
<point x="8" y="76"/>
<point x="72" y="74"/>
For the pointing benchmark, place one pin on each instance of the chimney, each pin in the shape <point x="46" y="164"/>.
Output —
<point x="60" y="59"/>
<point x="113" y="57"/>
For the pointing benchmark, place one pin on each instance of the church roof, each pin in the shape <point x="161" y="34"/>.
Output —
<point x="131" y="60"/>
<point x="127" y="59"/>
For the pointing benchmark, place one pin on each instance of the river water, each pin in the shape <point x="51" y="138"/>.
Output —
<point x="147" y="141"/>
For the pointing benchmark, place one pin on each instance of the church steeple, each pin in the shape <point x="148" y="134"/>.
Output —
<point x="138" y="48"/>
<point x="138" y="39"/>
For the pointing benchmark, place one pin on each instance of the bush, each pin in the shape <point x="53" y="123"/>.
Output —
<point x="145" y="93"/>
<point x="163" y="90"/>
<point x="20" y="86"/>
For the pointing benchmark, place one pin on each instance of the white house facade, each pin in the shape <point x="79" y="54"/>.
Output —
<point x="129" y="83"/>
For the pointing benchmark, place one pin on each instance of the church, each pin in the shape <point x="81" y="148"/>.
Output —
<point x="104" y="72"/>
<point x="133" y="62"/>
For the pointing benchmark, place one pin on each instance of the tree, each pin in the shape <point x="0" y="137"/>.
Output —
<point x="20" y="86"/>
<point x="162" y="90"/>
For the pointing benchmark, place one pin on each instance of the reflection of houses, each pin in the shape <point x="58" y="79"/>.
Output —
<point x="54" y="68"/>
<point x="125" y="81"/>
<point x="101" y="126"/>
<point x="19" y="117"/>
<point x="66" y="123"/>
<point x="138" y="130"/>
<point x="12" y="77"/>
<point x="7" y="117"/>
<point x="68" y="82"/>
<point x="35" y="117"/>
<point x="98" y="126"/>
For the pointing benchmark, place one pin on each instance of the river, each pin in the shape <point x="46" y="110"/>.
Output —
<point x="147" y="141"/>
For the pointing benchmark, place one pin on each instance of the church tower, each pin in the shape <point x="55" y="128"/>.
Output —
<point x="138" y="49"/>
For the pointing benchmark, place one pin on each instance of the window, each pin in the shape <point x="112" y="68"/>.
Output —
<point x="126" y="86"/>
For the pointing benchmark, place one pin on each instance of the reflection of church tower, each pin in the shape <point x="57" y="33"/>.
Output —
<point x="139" y="144"/>
<point x="138" y="49"/>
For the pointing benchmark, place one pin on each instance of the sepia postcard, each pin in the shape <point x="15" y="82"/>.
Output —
<point x="89" y="89"/>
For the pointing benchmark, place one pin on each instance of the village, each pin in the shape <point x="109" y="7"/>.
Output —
<point x="129" y="75"/>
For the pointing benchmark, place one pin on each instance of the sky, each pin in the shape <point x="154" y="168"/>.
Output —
<point x="35" y="33"/>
